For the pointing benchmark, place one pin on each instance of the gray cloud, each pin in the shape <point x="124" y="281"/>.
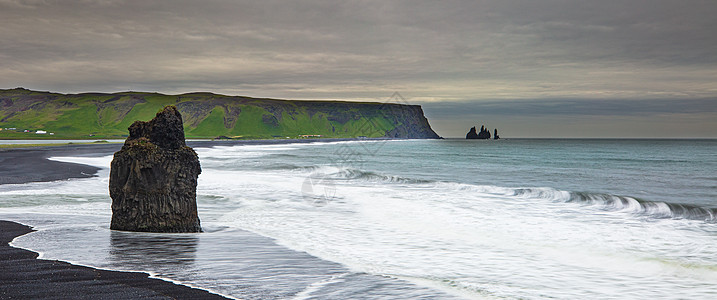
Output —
<point x="533" y="48"/>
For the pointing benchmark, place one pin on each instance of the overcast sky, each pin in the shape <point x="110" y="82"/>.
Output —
<point x="544" y="68"/>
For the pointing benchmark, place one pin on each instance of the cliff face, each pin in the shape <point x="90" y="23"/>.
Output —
<point x="153" y="178"/>
<point x="206" y="115"/>
<point x="411" y="123"/>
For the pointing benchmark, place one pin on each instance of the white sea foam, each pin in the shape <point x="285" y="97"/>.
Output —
<point x="100" y="162"/>
<point x="475" y="240"/>
<point x="405" y="232"/>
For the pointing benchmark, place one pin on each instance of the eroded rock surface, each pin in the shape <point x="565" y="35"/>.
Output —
<point x="153" y="178"/>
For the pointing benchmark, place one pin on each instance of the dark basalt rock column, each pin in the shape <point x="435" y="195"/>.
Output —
<point x="472" y="134"/>
<point x="484" y="133"/>
<point x="153" y="178"/>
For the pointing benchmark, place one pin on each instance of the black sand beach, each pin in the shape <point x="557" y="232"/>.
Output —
<point x="31" y="164"/>
<point x="23" y="276"/>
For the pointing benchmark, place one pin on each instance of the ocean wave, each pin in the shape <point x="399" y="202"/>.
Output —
<point x="654" y="209"/>
<point x="647" y="160"/>
<point x="356" y="174"/>
<point x="645" y="207"/>
<point x="285" y="166"/>
<point x="347" y="173"/>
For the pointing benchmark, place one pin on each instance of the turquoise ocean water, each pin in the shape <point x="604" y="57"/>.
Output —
<point x="512" y="218"/>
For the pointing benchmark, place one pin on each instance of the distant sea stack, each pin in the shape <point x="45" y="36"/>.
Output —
<point x="484" y="134"/>
<point x="472" y="134"/>
<point x="153" y="178"/>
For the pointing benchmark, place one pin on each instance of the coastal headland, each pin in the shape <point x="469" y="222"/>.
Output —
<point x="26" y="114"/>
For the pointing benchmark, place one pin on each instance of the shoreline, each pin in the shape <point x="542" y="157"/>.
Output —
<point x="26" y="276"/>
<point x="24" y="165"/>
<point x="31" y="164"/>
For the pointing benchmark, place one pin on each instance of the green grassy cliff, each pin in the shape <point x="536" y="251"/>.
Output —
<point x="206" y="115"/>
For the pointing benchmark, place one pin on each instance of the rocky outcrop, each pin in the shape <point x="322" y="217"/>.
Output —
<point x="153" y="178"/>
<point x="410" y="123"/>
<point x="472" y="134"/>
<point x="484" y="134"/>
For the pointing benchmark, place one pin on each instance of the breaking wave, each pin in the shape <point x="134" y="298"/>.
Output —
<point x="652" y="208"/>
<point x="609" y="202"/>
<point x="655" y="209"/>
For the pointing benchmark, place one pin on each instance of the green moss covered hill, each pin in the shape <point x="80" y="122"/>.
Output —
<point x="26" y="114"/>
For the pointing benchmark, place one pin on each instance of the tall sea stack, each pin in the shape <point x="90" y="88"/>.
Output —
<point x="153" y="178"/>
<point x="472" y="134"/>
<point x="484" y="134"/>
